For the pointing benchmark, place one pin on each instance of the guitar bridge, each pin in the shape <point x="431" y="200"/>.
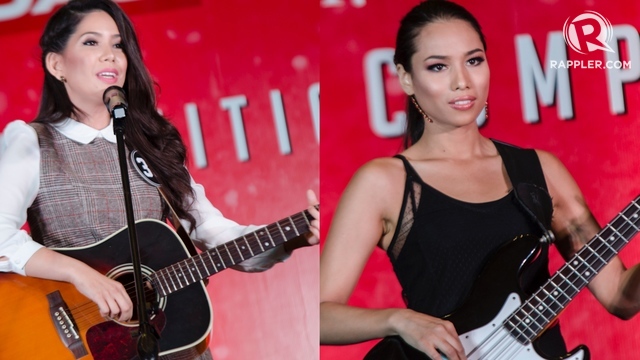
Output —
<point x="65" y="325"/>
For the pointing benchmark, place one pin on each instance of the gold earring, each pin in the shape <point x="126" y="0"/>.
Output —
<point x="486" y="110"/>
<point x="425" y="116"/>
<point x="63" y="79"/>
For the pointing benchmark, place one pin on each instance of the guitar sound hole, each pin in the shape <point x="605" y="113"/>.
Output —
<point x="124" y="275"/>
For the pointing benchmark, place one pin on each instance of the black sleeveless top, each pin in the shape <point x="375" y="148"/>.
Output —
<point x="441" y="243"/>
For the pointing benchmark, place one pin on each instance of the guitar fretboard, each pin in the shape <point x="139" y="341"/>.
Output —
<point x="543" y="307"/>
<point x="212" y="261"/>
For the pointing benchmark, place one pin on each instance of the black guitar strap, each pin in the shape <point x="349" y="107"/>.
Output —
<point x="530" y="187"/>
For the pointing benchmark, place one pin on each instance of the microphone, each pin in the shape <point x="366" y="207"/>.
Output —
<point x="115" y="100"/>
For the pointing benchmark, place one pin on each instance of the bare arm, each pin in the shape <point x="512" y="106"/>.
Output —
<point x="366" y="217"/>
<point x="615" y="287"/>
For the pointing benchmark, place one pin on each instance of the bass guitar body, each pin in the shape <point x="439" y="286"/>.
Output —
<point x="496" y="294"/>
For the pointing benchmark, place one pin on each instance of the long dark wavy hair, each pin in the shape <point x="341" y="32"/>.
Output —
<point x="147" y="131"/>
<point x="413" y="22"/>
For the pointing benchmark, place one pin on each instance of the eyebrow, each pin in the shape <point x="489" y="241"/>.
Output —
<point x="443" y="57"/>
<point x="98" y="34"/>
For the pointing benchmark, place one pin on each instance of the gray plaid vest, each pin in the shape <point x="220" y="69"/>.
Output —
<point x="80" y="200"/>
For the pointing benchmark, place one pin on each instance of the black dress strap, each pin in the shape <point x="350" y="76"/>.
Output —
<point x="407" y="166"/>
<point x="530" y="188"/>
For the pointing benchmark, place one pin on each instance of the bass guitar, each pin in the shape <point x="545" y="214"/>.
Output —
<point x="500" y="321"/>
<point x="45" y="319"/>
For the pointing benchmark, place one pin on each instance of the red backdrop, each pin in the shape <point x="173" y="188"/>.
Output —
<point x="595" y="142"/>
<point x="204" y="54"/>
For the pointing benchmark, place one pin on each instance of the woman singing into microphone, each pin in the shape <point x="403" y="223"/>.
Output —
<point x="60" y="172"/>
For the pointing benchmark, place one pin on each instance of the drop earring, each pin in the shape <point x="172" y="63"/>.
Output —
<point x="424" y="115"/>
<point x="486" y="111"/>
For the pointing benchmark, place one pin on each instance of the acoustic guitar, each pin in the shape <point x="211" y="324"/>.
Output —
<point x="44" y="319"/>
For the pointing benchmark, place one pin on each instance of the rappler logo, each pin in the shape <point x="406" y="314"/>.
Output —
<point x="588" y="32"/>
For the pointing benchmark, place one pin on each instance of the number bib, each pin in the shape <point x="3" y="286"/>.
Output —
<point x="143" y="169"/>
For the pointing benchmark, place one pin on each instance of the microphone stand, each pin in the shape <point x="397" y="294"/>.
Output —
<point x="148" y="337"/>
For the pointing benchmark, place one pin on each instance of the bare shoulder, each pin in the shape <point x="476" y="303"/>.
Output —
<point x="373" y="197"/>
<point x="555" y="172"/>
<point x="381" y="171"/>
<point x="569" y="203"/>
<point x="548" y="159"/>
<point x="380" y="179"/>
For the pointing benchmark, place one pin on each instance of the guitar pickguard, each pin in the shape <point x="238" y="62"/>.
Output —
<point x="493" y="338"/>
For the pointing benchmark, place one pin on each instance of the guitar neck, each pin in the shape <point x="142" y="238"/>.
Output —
<point x="212" y="261"/>
<point x="543" y="307"/>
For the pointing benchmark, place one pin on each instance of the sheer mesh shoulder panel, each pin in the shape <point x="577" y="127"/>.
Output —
<point x="406" y="223"/>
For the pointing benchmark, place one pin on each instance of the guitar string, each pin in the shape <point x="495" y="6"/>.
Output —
<point x="80" y="312"/>
<point x="247" y="253"/>
<point x="600" y="246"/>
<point x="502" y="348"/>
<point x="87" y="312"/>
<point x="211" y="266"/>
<point x="510" y="346"/>
<point x="588" y="254"/>
<point x="485" y="342"/>
<point x="622" y="235"/>
<point x="205" y="261"/>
